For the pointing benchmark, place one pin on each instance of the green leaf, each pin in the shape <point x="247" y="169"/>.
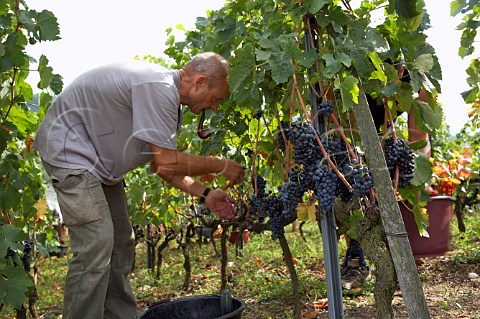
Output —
<point x="423" y="170"/>
<point x="414" y="22"/>
<point x="14" y="285"/>
<point x="9" y="197"/>
<point x="427" y="118"/>
<point x="5" y="137"/>
<point x="344" y="59"/>
<point x="23" y="121"/>
<point x="56" y="84"/>
<point x="332" y="66"/>
<point x="282" y="67"/>
<point x="349" y="90"/>
<point x="46" y="73"/>
<point x="316" y="5"/>
<point x="307" y="59"/>
<point x="406" y="8"/>
<point x="243" y="68"/>
<point x="423" y="62"/>
<point x="47" y="26"/>
<point x="11" y="237"/>
<point x="418" y="145"/>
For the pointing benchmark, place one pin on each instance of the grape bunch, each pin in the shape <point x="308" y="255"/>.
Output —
<point x="258" y="114"/>
<point x="362" y="180"/>
<point x="285" y="126"/>
<point x="306" y="150"/>
<point x="10" y="253"/>
<point x="342" y="191"/>
<point x="257" y="203"/>
<point x="325" y="186"/>
<point x="290" y="195"/>
<point x="399" y="155"/>
<point x="303" y="176"/>
<point x="261" y="185"/>
<point x="325" y="108"/>
<point x="282" y="209"/>
<point x="336" y="148"/>
<point x="27" y="248"/>
<point x="277" y="222"/>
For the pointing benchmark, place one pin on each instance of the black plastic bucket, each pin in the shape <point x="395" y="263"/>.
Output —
<point x="194" y="307"/>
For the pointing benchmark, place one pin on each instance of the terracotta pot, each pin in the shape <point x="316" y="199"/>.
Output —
<point x="439" y="211"/>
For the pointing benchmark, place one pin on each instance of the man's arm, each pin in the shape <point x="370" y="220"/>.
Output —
<point x="169" y="163"/>
<point x="177" y="167"/>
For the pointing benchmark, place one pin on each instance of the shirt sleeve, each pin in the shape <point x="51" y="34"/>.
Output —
<point x="155" y="113"/>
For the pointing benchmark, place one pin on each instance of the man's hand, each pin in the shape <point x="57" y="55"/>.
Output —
<point x="233" y="171"/>
<point x="221" y="204"/>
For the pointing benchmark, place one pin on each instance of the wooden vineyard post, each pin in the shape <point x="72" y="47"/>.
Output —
<point x="391" y="217"/>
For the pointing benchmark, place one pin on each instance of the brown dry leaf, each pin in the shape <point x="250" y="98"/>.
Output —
<point x="321" y="304"/>
<point x="309" y="314"/>
<point x="218" y="232"/>
<point x="294" y="260"/>
<point x="258" y="261"/>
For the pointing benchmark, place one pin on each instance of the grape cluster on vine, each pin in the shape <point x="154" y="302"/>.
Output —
<point x="27" y="248"/>
<point x="398" y="154"/>
<point x="325" y="187"/>
<point x="285" y="127"/>
<point x="325" y="108"/>
<point x="257" y="201"/>
<point x="277" y="221"/>
<point x="336" y="148"/>
<point x="310" y="173"/>
<point x="359" y="177"/>
<point x="306" y="150"/>
<point x="303" y="176"/>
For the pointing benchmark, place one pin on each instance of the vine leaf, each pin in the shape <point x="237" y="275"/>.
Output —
<point x="10" y="238"/>
<point x="317" y="5"/>
<point x="46" y="73"/>
<point x="278" y="54"/>
<point x="349" y="91"/>
<point x="423" y="170"/>
<point x="306" y="212"/>
<point x="332" y="65"/>
<point x="242" y="74"/>
<point x="47" y="26"/>
<point x="423" y="62"/>
<point x="14" y="284"/>
<point x="427" y="118"/>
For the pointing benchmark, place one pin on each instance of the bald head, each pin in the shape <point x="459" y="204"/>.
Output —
<point x="211" y="65"/>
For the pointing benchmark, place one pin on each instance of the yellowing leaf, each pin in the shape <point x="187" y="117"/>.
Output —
<point x="42" y="209"/>
<point x="474" y="109"/>
<point x="306" y="212"/>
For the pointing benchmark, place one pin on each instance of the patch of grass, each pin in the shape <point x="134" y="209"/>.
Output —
<point x="257" y="274"/>
<point x="465" y="245"/>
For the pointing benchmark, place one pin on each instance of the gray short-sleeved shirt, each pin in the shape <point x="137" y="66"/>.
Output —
<point x="105" y="120"/>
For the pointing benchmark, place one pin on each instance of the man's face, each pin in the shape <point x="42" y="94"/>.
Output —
<point x="203" y="98"/>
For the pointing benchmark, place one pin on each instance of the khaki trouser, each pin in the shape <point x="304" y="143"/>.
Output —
<point x="102" y="242"/>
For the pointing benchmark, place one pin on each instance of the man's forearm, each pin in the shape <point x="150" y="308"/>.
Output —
<point x="173" y="163"/>
<point x="185" y="184"/>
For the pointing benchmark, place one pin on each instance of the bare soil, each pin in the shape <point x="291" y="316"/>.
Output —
<point x="448" y="290"/>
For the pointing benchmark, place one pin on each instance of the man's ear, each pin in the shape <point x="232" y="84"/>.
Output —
<point x="200" y="81"/>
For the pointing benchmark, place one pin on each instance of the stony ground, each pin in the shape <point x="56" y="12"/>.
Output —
<point x="448" y="290"/>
